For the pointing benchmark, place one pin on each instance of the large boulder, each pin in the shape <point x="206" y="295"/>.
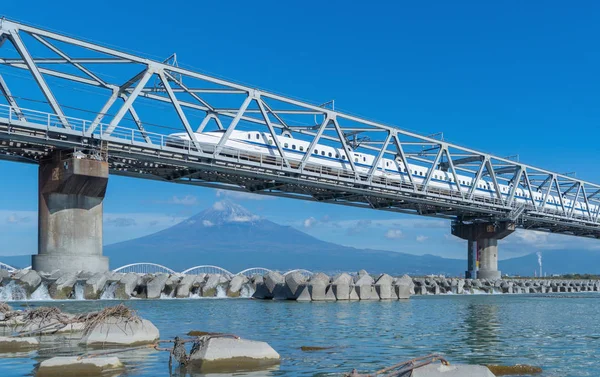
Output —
<point x="126" y="286"/>
<point x="62" y="288"/>
<point x="156" y="285"/>
<point x="121" y="331"/>
<point x="453" y="370"/>
<point x="61" y="366"/>
<point x="228" y="354"/>
<point x="94" y="286"/>
<point x="12" y="344"/>
<point x="29" y="280"/>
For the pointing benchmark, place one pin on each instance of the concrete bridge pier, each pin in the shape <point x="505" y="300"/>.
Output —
<point x="71" y="191"/>
<point x="482" y="246"/>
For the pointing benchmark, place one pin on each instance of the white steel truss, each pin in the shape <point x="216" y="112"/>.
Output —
<point x="131" y="92"/>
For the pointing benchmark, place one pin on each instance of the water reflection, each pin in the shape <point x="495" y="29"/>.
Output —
<point x="481" y="332"/>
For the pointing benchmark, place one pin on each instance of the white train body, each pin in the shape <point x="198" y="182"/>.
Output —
<point x="260" y="143"/>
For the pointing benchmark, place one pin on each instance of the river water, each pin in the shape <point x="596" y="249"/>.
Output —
<point x="560" y="333"/>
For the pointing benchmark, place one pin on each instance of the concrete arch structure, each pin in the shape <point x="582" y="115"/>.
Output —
<point x="254" y="271"/>
<point x="9" y="268"/>
<point x="207" y="269"/>
<point x="144" y="268"/>
<point x="300" y="271"/>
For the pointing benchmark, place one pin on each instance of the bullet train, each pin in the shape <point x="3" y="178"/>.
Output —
<point x="335" y="159"/>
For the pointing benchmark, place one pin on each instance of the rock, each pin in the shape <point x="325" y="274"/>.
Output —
<point x="74" y="366"/>
<point x="184" y="286"/>
<point x="225" y="354"/>
<point x="3" y="275"/>
<point x="235" y="285"/>
<point x="126" y="286"/>
<point x="8" y="344"/>
<point x="62" y="288"/>
<point x="404" y="286"/>
<point x="94" y="286"/>
<point x="29" y="281"/>
<point x="120" y="331"/>
<point x="155" y="287"/>
<point x="453" y="370"/>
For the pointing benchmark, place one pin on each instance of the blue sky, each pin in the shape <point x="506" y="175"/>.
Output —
<point x="506" y="78"/>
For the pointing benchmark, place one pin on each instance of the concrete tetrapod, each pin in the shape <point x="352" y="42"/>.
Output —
<point x="94" y="286"/>
<point x="228" y="354"/>
<point x="155" y="287"/>
<point x="74" y="366"/>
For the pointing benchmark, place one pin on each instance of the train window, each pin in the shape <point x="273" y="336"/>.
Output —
<point x="343" y="157"/>
<point x="257" y="136"/>
<point x="337" y="155"/>
<point x="293" y="146"/>
<point x="316" y="151"/>
<point x="249" y="136"/>
<point x="364" y="159"/>
<point x="322" y="153"/>
<point x="387" y="163"/>
<point x="301" y="148"/>
<point x="329" y="154"/>
<point x="270" y="142"/>
<point x="356" y="159"/>
<point x="285" y="145"/>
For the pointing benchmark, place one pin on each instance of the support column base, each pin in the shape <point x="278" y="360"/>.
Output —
<point x="69" y="263"/>
<point x="489" y="275"/>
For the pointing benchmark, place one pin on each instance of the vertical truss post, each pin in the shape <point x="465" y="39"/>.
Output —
<point x="453" y="170"/>
<point x="380" y="155"/>
<point x="490" y="170"/>
<point x="477" y="178"/>
<point x="132" y="97"/>
<point x="515" y="184"/>
<point x="271" y="130"/>
<point x="314" y="141"/>
<point x="433" y="166"/>
<point x="234" y="123"/>
<point x="573" y="202"/>
<point x="545" y="198"/>
<point x="560" y="196"/>
<point x="347" y="149"/>
<point x="404" y="160"/>
<point x="528" y="185"/>
<point x="12" y="102"/>
<point x="587" y="202"/>
<point x="39" y="78"/>
<point x="179" y="111"/>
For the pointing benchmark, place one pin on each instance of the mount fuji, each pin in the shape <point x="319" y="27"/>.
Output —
<point x="229" y="236"/>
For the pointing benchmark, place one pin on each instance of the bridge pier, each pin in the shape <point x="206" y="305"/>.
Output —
<point x="71" y="193"/>
<point x="482" y="246"/>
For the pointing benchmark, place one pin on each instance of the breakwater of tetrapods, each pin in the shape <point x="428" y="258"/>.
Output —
<point x="31" y="285"/>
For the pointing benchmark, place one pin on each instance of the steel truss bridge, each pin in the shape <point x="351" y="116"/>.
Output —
<point x="121" y="106"/>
